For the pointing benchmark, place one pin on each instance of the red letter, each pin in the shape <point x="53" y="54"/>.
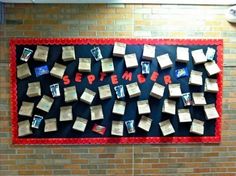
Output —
<point x="66" y="79"/>
<point x="154" y="76"/>
<point x="141" y="78"/>
<point x="127" y="75"/>
<point x="91" y="78"/>
<point x="167" y="79"/>
<point x="114" y="79"/>
<point x="102" y="76"/>
<point x="78" y="77"/>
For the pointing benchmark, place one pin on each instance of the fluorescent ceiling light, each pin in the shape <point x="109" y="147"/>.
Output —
<point x="204" y="2"/>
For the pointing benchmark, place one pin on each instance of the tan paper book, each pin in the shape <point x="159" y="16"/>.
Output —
<point x="198" y="56"/>
<point x="26" y="109"/>
<point x="212" y="68"/>
<point x="198" y="99"/>
<point x="169" y="106"/>
<point x="84" y="64"/>
<point x="24" y="128"/>
<point x="119" y="49"/>
<point x="117" y="128"/>
<point x="87" y="96"/>
<point x="157" y="90"/>
<point x="66" y="113"/>
<point x="164" y="61"/>
<point x="41" y="53"/>
<point x="174" y="90"/>
<point x="197" y="127"/>
<point x="34" y="89"/>
<point x="96" y="112"/>
<point x="119" y="107"/>
<point x="195" y="78"/>
<point x="58" y="70"/>
<point x="182" y="54"/>
<point x="210" y="111"/>
<point x="23" y="71"/>
<point x="68" y="53"/>
<point x="80" y="124"/>
<point x="45" y="103"/>
<point x="184" y="115"/>
<point x="131" y="60"/>
<point x="166" y="127"/>
<point x="107" y="65"/>
<point x="50" y="125"/>
<point x="143" y="107"/>
<point x="149" y="52"/>
<point x="70" y="94"/>
<point x="104" y="92"/>
<point x="133" y="90"/>
<point x="145" y="123"/>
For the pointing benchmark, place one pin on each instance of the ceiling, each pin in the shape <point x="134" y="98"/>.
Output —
<point x="213" y="2"/>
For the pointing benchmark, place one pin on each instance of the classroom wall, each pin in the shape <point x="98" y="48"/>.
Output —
<point x="131" y="21"/>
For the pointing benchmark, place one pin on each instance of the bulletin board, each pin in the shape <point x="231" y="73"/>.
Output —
<point x="66" y="135"/>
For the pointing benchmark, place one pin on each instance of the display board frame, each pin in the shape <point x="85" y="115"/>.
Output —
<point x="113" y="140"/>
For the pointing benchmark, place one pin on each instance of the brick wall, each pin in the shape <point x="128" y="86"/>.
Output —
<point x="159" y="21"/>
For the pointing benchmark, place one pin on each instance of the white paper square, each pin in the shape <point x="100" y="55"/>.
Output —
<point x="198" y="56"/>
<point x="24" y="128"/>
<point x="70" y="94"/>
<point x="210" y="111"/>
<point x="131" y="60"/>
<point x="26" y="109"/>
<point x="197" y="127"/>
<point x="169" y="106"/>
<point x="41" y="53"/>
<point x="50" y="125"/>
<point x="157" y="90"/>
<point x="164" y="61"/>
<point x="166" y="127"/>
<point x="198" y="99"/>
<point x="96" y="112"/>
<point x="211" y="85"/>
<point x="182" y="54"/>
<point x="84" y="65"/>
<point x="149" y="52"/>
<point x="184" y="115"/>
<point x="23" y="71"/>
<point x="80" y="124"/>
<point x="68" y="53"/>
<point x="45" y="103"/>
<point x="145" y="123"/>
<point x="133" y="90"/>
<point x="88" y="96"/>
<point x="143" y="107"/>
<point x="195" y="78"/>
<point x="212" y="68"/>
<point x="104" y="92"/>
<point x="58" y="70"/>
<point x="175" y="90"/>
<point x="66" y="113"/>
<point x="107" y="65"/>
<point x="34" y="89"/>
<point x="119" y="107"/>
<point x="117" y="128"/>
<point x="119" y="49"/>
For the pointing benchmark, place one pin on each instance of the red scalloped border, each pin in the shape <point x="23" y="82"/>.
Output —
<point x="113" y="140"/>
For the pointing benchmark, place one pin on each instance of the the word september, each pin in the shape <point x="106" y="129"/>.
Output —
<point x="114" y="78"/>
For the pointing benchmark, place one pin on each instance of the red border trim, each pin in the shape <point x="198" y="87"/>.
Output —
<point x="113" y="140"/>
